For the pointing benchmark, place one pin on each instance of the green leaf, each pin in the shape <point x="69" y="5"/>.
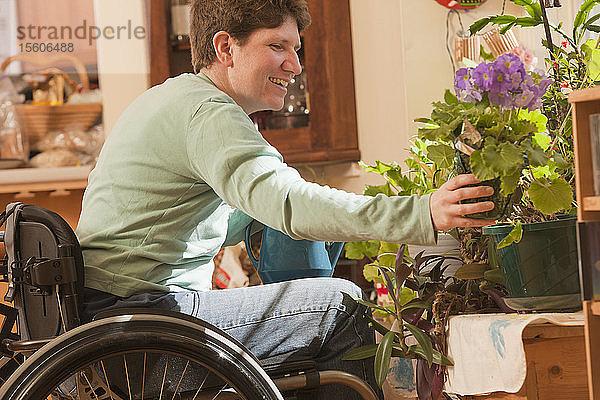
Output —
<point x="485" y="55"/>
<point x="360" y="250"/>
<point x="438" y="358"/>
<point x="593" y="19"/>
<point x="506" y="28"/>
<point x="481" y="171"/>
<point x="423" y="339"/>
<point x="441" y="154"/>
<point x="514" y="236"/>
<point x="478" y="25"/>
<point x="535" y="117"/>
<point x="415" y="304"/>
<point x="470" y="271"/>
<point x="382" y="357"/>
<point x="379" y="167"/>
<point x="360" y="353"/>
<point x="509" y="182"/>
<point x="584" y="10"/>
<point x="371" y="273"/>
<point x="387" y="260"/>
<point x="449" y="98"/>
<point x="388" y="247"/>
<point x="552" y="197"/>
<point x="503" y="158"/>
<point x="560" y="161"/>
<point x="594" y="65"/>
<point x="593" y="28"/>
<point x="528" y="21"/>
<point x="536" y="156"/>
<point x="494" y="275"/>
<point x="503" y="19"/>
<point x="407" y="295"/>
<point x="542" y="139"/>
<point x="375" y="190"/>
<point x="423" y="120"/>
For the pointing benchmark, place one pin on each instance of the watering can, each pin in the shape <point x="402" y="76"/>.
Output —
<point x="283" y="258"/>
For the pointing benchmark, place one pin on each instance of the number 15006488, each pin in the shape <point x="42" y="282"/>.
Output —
<point x="64" y="47"/>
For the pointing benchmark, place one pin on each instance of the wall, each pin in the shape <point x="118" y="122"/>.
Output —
<point x="123" y="64"/>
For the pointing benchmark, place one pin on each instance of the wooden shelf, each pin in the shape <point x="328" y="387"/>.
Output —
<point x="591" y="203"/>
<point x="585" y="102"/>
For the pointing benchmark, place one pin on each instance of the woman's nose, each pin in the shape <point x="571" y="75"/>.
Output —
<point x="292" y="64"/>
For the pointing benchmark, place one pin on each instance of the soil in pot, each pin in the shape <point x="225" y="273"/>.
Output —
<point x="541" y="271"/>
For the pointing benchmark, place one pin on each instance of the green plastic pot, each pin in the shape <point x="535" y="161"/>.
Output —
<point x="543" y="263"/>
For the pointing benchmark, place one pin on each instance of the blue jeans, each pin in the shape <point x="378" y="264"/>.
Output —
<point x="305" y="319"/>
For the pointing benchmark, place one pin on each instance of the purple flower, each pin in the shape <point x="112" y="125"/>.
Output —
<point x="501" y="82"/>
<point x="482" y="76"/>
<point x="462" y="79"/>
<point x="471" y="95"/>
<point x="524" y="98"/>
<point x="509" y="63"/>
<point x="516" y="78"/>
<point x="504" y="100"/>
<point x="535" y="103"/>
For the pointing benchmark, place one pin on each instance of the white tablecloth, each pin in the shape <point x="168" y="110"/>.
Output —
<point x="488" y="352"/>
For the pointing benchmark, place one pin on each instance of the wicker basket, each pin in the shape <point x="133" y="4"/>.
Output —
<point x="38" y="120"/>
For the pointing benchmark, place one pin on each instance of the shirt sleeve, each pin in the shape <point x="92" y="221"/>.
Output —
<point x="227" y="152"/>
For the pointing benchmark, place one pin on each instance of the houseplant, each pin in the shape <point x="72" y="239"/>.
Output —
<point x="421" y="301"/>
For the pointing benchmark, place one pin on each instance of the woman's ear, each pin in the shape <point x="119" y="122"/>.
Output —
<point x="222" y="42"/>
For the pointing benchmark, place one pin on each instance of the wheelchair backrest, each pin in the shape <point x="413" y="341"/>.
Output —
<point x="45" y="271"/>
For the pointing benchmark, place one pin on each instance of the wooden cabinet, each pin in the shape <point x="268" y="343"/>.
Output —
<point x="331" y="133"/>
<point x="586" y="102"/>
<point x="57" y="189"/>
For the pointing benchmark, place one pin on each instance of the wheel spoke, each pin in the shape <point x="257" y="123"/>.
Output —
<point x="92" y="389"/>
<point x="220" y="391"/>
<point x="162" y="386"/>
<point x="127" y="377"/>
<point x="180" y="379"/>
<point x="107" y="381"/>
<point x="144" y="376"/>
<point x="201" y="385"/>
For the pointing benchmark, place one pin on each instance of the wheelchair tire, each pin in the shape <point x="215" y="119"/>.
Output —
<point x="125" y="336"/>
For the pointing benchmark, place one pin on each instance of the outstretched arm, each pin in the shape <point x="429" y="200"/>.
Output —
<point x="447" y="212"/>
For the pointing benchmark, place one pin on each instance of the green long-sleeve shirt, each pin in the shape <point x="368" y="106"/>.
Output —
<point x="158" y="205"/>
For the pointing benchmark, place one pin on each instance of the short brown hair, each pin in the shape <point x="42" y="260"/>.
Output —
<point x="239" y="18"/>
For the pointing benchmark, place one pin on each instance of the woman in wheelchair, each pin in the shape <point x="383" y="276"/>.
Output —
<point x="182" y="173"/>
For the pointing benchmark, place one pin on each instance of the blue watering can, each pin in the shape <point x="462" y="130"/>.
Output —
<point x="283" y="258"/>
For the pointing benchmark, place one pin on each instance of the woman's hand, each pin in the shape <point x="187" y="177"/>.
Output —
<point x="447" y="213"/>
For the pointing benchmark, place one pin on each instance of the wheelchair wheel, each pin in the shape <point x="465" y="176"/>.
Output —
<point x="141" y="356"/>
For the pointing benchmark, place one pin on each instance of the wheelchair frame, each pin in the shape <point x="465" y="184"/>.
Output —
<point x="44" y="270"/>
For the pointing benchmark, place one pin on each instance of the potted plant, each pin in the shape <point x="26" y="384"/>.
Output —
<point x="574" y="64"/>
<point x="421" y="300"/>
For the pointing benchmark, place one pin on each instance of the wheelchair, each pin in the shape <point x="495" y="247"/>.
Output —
<point x="121" y="354"/>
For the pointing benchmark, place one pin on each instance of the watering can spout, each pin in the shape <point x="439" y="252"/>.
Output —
<point x="334" y="250"/>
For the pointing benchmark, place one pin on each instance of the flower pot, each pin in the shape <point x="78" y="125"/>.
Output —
<point x="541" y="271"/>
<point x="446" y="246"/>
<point x="502" y="204"/>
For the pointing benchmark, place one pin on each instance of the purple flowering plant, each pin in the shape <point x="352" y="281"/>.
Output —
<point x="504" y="81"/>
<point x="493" y="128"/>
